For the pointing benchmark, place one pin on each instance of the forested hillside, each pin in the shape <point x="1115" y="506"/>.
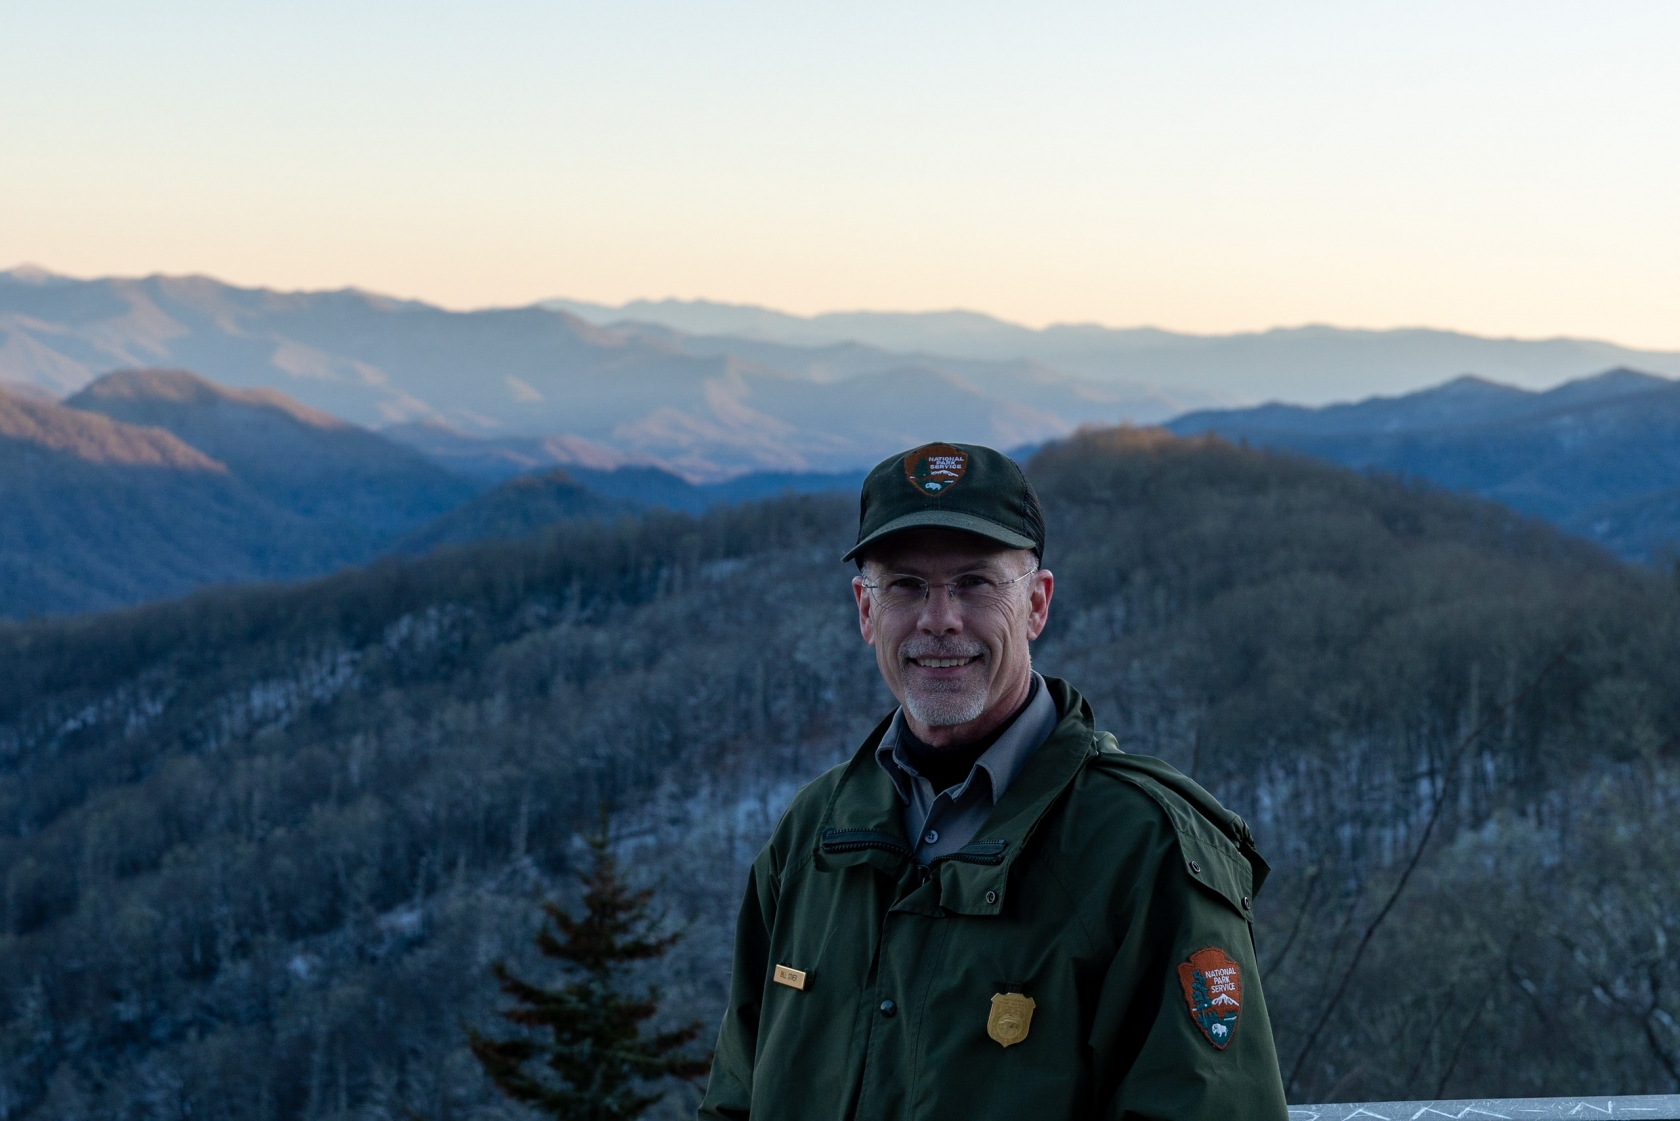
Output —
<point x="96" y="513"/>
<point x="517" y="508"/>
<point x="260" y="846"/>
<point x="354" y="485"/>
<point x="149" y="483"/>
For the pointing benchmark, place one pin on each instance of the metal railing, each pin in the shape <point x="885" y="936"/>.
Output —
<point x="1661" y="1107"/>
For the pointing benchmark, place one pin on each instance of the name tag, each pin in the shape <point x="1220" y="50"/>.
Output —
<point x="789" y="976"/>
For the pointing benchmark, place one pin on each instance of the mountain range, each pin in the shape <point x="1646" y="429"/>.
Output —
<point x="1598" y="456"/>
<point x="1311" y="364"/>
<point x="534" y="386"/>
<point x="711" y="391"/>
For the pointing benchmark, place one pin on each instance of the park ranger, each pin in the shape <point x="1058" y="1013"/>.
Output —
<point x="990" y="911"/>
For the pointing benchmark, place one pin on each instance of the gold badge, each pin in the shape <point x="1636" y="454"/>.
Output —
<point x="789" y="976"/>
<point x="1011" y="1018"/>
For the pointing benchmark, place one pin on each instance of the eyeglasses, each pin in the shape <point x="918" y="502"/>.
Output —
<point x="974" y="591"/>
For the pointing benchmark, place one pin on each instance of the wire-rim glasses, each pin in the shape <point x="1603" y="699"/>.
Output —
<point x="901" y="592"/>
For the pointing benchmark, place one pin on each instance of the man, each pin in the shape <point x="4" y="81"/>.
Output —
<point x="990" y="911"/>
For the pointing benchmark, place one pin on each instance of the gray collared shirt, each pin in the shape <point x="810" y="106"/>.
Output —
<point x="944" y="822"/>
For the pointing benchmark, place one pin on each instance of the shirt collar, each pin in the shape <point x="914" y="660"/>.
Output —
<point x="1001" y="762"/>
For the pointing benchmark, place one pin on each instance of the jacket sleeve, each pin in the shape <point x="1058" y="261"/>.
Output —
<point x="729" y="1090"/>
<point x="1169" y="1067"/>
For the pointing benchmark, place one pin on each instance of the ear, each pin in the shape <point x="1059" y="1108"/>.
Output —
<point x="866" y="609"/>
<point x="1038" y="605"/>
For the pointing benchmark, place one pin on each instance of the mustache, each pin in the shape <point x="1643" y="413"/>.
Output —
<point x="940" y="648"/>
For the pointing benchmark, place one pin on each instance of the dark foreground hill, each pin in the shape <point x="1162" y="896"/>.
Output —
<point x="520" y="507"/>
<point x="260" y="847"/>
<point x="1599" y="456"/>
<point x="150" y="483"/>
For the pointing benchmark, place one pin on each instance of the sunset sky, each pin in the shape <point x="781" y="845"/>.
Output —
<point x="1501" y="168"/>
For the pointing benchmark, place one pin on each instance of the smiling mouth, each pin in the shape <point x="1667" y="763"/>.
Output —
<point x="943" y="663"/>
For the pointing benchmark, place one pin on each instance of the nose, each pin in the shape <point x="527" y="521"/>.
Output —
<point x="939" y="613"/>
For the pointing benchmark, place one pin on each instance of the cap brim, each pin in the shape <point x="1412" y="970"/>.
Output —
<point x="946" y="519"/>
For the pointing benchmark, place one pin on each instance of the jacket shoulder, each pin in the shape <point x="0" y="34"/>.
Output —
<point x="796" y="831"/>
<point x="1215" y="840"/>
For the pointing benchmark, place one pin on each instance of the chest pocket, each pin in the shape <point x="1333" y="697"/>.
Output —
<point x="1001" y="1014"/>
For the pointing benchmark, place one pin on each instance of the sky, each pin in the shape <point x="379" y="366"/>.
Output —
<point x="1499" y="168"/>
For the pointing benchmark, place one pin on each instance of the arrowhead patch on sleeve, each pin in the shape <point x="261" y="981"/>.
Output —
<point x="1213" y="993"/>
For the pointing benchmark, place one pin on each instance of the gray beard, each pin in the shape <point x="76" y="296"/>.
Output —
<point x="941" y="707"/>
<point x="941" y="710"/>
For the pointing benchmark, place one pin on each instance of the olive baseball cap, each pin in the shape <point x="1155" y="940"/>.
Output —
<point x="954" y="486"/>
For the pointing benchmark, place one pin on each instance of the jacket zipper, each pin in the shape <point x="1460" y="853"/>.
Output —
<point x="980" y="852"/>
<point x="851" y="840"/>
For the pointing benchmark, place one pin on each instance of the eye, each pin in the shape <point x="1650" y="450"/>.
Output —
<point x="974" y="582"/>
<point x="905" y="584"/>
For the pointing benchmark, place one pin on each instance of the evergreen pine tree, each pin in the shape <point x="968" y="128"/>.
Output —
<point x="596" y="1064"/>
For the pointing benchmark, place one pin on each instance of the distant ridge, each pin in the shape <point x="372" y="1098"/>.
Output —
<point x="162" y="387"/>
<point x="96" y="513"/>
<point x="1313" y="364"/>
<point x="1463" y="402"/>
<point x="960" y="331"/>
<point x="89" y="438"/>
<point x="150" y="483"/>
<point x="1599" y="456"/>
<point x="35" y="274"/>
<point x="299" y="458"/>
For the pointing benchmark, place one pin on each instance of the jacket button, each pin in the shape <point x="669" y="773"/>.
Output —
<point x="1247" y="903"/>
<point x="889" y="1009"/>
<point x="1195" y="868"/>
<point x="991" y="897"/>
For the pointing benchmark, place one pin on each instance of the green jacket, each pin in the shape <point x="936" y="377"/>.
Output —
<point x="1107" y="889"/>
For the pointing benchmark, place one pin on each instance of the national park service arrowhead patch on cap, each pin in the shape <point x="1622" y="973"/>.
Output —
<point x="934" y="469"/>
<point x="1213" y="992"/>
